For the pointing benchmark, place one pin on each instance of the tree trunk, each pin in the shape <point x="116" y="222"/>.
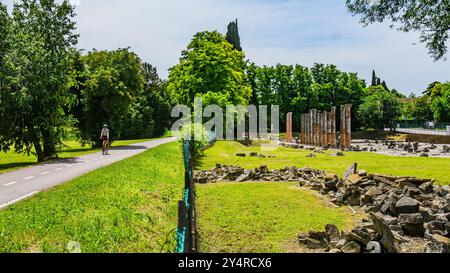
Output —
<point x="49" y="146"/>
<point x="39" y="152"/>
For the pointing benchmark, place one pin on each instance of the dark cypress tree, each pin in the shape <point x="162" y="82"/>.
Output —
<point x="378" y="81"/>
<point x="233" y="35"/>
<point x="385" y="86"/>
<point x="374" y="78"/>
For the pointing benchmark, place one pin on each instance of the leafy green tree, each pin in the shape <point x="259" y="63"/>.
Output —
<point x="379" y="109"/>
<point x="251" y="71"/>
<point x="440" y="104"/>
<point x="212" y="69"/>
<point x="37" y="65"/>
<point x="4" y="45"/>
<point x="233" y="35"/>
<point x="4" y="25"/>
<point x="114" y="80"/>
<point x="422" y="109"/>
<point x="149" y="113"/>
<point x="431" y="18"/>
<point x="298" y="89"/>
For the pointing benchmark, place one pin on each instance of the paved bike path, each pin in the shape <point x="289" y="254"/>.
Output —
<point x="26" y="182"/>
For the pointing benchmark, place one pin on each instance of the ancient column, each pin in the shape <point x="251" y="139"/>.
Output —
<point x="329" y="129"/>
<point x="289" y="127"/>
<point x="348" y="125"/>
<point x="325" y="128"/>
<point x="333" y="127"/>
<point x="343" y="130"/>
<point x="314" y="127"/>
<point x="319" y="125"/>
<point x="310" y="122"/>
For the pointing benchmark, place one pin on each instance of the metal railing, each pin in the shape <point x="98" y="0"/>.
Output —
<point x="423" y="127"/>
<point x="187" y="230"/>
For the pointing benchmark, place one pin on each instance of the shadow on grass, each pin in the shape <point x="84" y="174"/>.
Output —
<point x="7" y="167"/>
<point x="13" y="166"/>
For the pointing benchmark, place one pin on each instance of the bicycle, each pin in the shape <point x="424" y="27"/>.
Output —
<point x="105" y="146"/>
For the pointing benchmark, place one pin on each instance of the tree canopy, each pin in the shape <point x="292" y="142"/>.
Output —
<point x="212" y="69"/>
<point x="379" y="109"/>
<point x="431" y="18"/>
<point x="37" y="68"/>
<point x="114" y="79"/>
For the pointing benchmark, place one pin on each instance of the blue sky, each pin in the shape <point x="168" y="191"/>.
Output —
<point x="272" y="31"/>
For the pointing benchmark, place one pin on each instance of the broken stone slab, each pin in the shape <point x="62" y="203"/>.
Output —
<point x="384" y="180"/>
<point x="246" y="176"/>
<point x="312" y="243"/>
<point x="354" y="179"/>
<point x="406" y="205"/>
<point x="411" y="218"/>
<point x="438" y="244"/>
<point x="389" y="241"/>
<point x="351" y="247"/>
<point x="412" y="180"/>
<point x="427" y="187"/>
<point x="332" y="234"/>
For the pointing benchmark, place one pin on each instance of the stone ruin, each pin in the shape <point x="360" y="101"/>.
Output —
<point x="405" y="214"/>
<point x="318" y="128"/>
<point x="401" y="148"/>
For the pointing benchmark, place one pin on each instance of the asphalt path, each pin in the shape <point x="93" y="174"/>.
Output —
<point x="26" y="182"/>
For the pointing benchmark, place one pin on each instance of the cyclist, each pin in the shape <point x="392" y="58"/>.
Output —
<point x="104" y="136"/>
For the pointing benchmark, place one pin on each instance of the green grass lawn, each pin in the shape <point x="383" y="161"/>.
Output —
<point x="224" y="152"/>
<point x="130" y="206"/>
<point x="267" y="217"/>
<point x="261" y="217"/>
<point x="12" y="161"/>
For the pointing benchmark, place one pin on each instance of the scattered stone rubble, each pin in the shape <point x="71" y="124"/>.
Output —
<point x="222" y="173"/>
<point x="387" y="147"/>
<point x="253" y="154"/>
<point x="406" y="214"/>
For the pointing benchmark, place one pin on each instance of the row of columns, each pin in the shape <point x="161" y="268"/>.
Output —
<point x="319" y="128"/>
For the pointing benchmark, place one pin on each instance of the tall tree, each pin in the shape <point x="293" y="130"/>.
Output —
<point x="212" y="69"/>
<point x="4" y="44"/>
<point x="383" y="83"/>
<point x="114" y="80"/>
<point x="233" y="35"/>
<point x="440" y="102"/>
<point x="379" y="109"/>
<point x="38" y="66"/>
<point x="149" y="113"/>
<point x="431" y="18"/>
<point x="374" y="78"/>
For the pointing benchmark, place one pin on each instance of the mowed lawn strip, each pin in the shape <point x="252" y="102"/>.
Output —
<point x="261" y="217"/>
<point x="224" y="152"/>
<point x="129" y="206"/>
<point x="11" y="161"/>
